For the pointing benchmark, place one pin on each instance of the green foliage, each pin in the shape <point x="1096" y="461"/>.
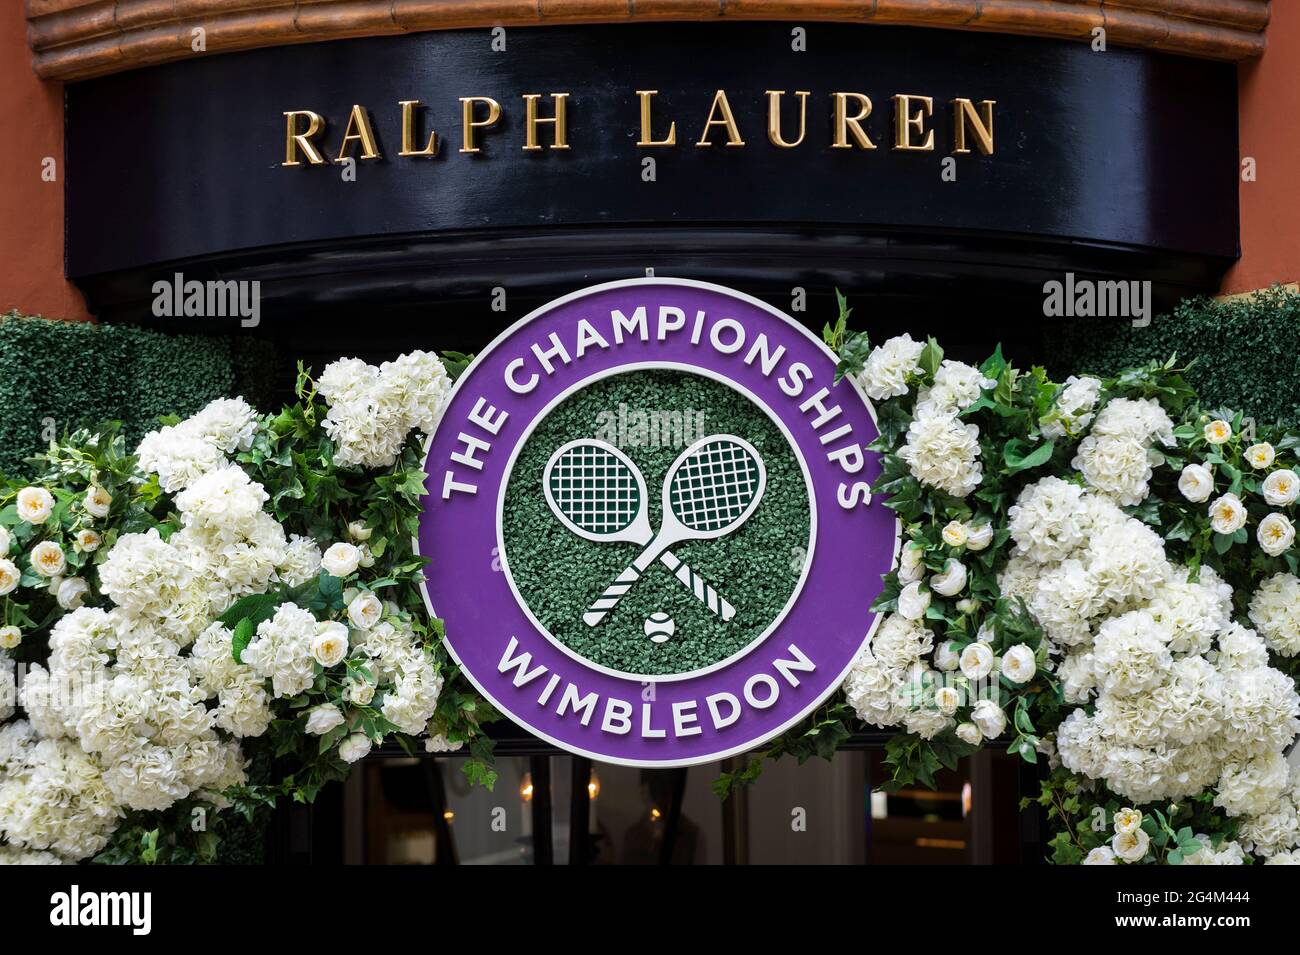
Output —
<point x="78" y="374"/>
<point x="1244" y="350"/>
<point x="1083" y="817"/>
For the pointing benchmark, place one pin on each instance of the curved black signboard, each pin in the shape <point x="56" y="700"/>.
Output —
<point x="1114" y="157"/>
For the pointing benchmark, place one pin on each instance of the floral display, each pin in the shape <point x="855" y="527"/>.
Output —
<point x="241" y="584"/>
<point x="1098" y="575"/>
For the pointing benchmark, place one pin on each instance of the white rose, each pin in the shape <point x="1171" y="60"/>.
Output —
<point x="1280" y="488"/>
<point x="952" y="581"/>
<point x="341" y="559"/>
<point x="4" y="541"/>
<point x="330" y="645"/>
<point x="990" y="719"/>
<point x="87" y="541"/>
<point x="9" y="576"/>
<point x="1218" y="432"/>
<point x="977" y="661"/>
<point x="97" y="502"/>
<point x="1131" y="846"/>
<point x="969" y="733"/>
<point x="1276" y="534"/>
<point x="947" y="699"/>
<point x="1128" y="820"/>
<point x="48" y="559"/>
<point x="1018" y="664"/>
<point x="955" y="534"/>
<point x="72" y="592"/>
<point x="321" y="719"/>
<point x="946" y="658"/>
<point x="358" y="531"/>
<point x="967" y="605"/>
<point x="354" y="747"/>
<point x="35" y="504"/>
<point x="364" y="610"/>
<point x="1227" y="514"/>
<point x="360" y="692"/>
<point x="367" y="558"/>
<point x="10" y="637"/>
<point x="1196" y="483"/>
<point x="1102" y="855"/>
<point x="913" y="601"/>
<point x="1261" y="455"/>
<point x="979" y="537"/>
<point x="910" y="567"/>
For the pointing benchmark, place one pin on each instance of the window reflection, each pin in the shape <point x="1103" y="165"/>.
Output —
<point x="423" y="811"/>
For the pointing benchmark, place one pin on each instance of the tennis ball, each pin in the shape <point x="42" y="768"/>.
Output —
<point x="659" y="626"/>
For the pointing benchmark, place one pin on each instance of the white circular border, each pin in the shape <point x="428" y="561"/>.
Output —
<point x="745" y="747"/>
<point x="650" y="678"/>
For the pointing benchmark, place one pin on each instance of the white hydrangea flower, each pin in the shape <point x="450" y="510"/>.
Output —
<point x="1131" y="653"/>
<point x="1074" y="405"/>
<point x="228" y="424"/>
<point x="1252" y="785"/>
<point x="1275" y="612"/>
<point x="1128" y="564"/>
<point x="956" y="387"/>
<point x="1048" y="522"/>
<point x="372" y="410"/>
<point x="888" y="367"/>
<point x="1115" y="457"/>
<point x="942" y="453"/>
<point x="281" y="650"/>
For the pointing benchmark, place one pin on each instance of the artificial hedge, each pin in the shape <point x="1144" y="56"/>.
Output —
<point x="78" y="373"/>
<point x="1246" y="351"/>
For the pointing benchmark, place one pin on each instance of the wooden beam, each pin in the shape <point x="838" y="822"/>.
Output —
<point x="79" y="39"/>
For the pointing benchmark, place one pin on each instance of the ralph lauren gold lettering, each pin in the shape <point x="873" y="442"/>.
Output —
<point x="410" y="132"/>
<point x="647" y="137"/>
<point x="774" y="118"/>
<point x="469" y="124"/>
<point x="295" y="141"/>
<point x="727" y="121"/>
<point x="845" y="124"/>
<point x="907" y="121"/>
<point x="359" y="131"/>
<point x="963" y="112"/>
<point x="532" y="120"/>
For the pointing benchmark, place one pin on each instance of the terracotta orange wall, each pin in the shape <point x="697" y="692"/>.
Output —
<point x="31" y="210"/>
<point x="1270" y="206"/>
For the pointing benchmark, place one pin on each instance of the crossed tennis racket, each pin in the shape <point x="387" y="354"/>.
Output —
<point x="597" y="492"/>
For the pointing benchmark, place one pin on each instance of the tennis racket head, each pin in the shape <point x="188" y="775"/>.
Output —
<point x="714" y="486"/>
<point x="597" y="491"/>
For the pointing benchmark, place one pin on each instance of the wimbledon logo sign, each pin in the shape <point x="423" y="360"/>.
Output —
<point x="650" y="525"/>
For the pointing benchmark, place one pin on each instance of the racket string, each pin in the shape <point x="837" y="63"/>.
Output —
<point x="595" y="489"/>
<point x="714" y="486"/>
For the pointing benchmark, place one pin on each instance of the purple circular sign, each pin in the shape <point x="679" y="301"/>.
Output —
<point x="680" y="718"/>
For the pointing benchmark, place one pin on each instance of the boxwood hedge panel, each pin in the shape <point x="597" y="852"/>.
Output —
<point x="1246" y="351"/>
<point x="65" y="374"/>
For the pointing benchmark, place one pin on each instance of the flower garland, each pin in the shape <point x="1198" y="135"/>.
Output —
<point x="242" y="584"/>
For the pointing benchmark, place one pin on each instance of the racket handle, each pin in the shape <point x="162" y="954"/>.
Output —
<point x="697" y="585"/>
<point x="612" y="595"/>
